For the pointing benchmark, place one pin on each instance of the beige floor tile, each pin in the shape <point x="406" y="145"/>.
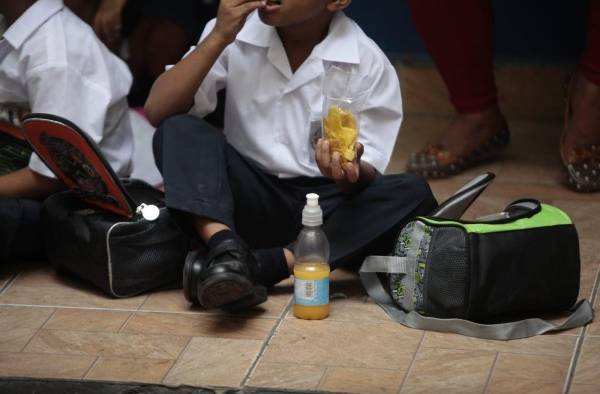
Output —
<point x="218" y="326"/>
<point x="44" y="365"/>
<point x="287" y="376"/>
<point x="40" y="285"/>
<point x="214" y="362"/>
<point x="449" y="371"/>
<point x="343" y="344"/>
<point x="522" y="164"/>
<point x="107" y="344"/>
<point x="585" y="216"/>
<point x="551" y="345"/>
<point x="362" y="380"/>
<point x="65" y="296"/>
<point x="585" y="389"/>
<point x="508" y="385"/>
<point x="174" y="301"/>
<point x="87" y="320"/>
<point x="539" y="368"/>
<point x="129" y="370"/>
<point x="587" y="278"/>
<point x="19" y="324"/>
<point x="594" y="328"/>
<point x="588" y="363"/>
<point x="589" y="249"/>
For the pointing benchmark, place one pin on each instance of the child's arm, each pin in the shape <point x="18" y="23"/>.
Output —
<point x="350" y="176"/>
<point x="173" y="92"/>
<point x="26" y="183"/>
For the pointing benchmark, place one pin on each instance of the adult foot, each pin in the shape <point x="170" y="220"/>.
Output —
<point x="580" y="140"/>
<point x="469" y="139"/>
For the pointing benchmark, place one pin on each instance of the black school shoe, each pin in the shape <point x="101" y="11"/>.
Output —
<point x="228" y="277"/>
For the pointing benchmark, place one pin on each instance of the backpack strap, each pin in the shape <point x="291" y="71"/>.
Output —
<point x="581" y="313"/>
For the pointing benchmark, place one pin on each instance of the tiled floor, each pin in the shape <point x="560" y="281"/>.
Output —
<point x="55" y="327"/>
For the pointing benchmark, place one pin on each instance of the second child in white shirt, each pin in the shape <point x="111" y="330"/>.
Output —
<point x="52" y="62"/>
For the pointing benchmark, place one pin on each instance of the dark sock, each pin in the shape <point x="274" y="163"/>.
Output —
<point x="273" y="265"/>
<point x="219" y="237"/>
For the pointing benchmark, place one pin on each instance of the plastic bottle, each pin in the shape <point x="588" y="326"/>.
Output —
<point x="311" y="271"/>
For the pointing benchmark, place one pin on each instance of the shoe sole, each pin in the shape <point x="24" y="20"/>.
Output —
<point x="258" y="296"/>
<point x="189" y="284"/>
<point x="223" y="289"/>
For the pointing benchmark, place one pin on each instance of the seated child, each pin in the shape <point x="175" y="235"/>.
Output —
<point x="52" y="62"/>
<point x="242" y="190"/>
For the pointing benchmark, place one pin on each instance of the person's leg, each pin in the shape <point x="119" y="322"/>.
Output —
<point x="368" y="222"/>
<point x="200" y="171"/>
<point x="580" y="142"/>
<point x="458" y="35"/>
<point x="20" y="233"/>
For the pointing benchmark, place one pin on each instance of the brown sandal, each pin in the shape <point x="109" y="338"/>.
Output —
<point x="582" y="164"/>
<point x="435" y="162"/>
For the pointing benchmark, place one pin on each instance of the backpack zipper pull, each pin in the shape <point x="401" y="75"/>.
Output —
<point x="149" y="212"/>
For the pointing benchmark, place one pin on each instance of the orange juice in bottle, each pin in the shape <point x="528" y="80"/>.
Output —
<point x="311" y="271"/>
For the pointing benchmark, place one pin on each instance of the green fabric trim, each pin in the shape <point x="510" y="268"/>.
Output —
<point x="548" y="216"/>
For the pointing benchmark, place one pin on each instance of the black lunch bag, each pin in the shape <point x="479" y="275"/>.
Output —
<point x="115" y="233"/>
<point x="491" y="277"/>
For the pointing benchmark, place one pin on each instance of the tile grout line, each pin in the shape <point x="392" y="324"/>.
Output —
<point x="9" y="283"/>
<point x="489" y="378"/>
<point x="322" y="380"/>
<point x="38" y="330"/>
<point x="132" y="310"/>
<point x="412" y="362"/>
<point x="187" y="345"/>
<point x="120" y="330"/>
<point x="86" y="374"/>
<point x="266" y="342"/>
<point x="580" y="339"/>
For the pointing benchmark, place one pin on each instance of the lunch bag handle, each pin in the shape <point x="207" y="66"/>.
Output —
<point x="581" y="313"/>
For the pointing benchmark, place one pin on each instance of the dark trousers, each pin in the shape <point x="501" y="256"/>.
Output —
<point x="20" y="230"/>
<point x="458" y="35"/>
<point x="205" y="176"/>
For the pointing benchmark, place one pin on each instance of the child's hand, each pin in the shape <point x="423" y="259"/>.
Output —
<point x="331" y="164"/>
<point x="232" y="17"/>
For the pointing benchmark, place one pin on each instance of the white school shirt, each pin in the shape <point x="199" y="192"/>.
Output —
<point x="52" y="62"/>
<point x="272" y="114"/>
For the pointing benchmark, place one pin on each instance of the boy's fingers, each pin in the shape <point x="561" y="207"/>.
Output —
<point x="352" y="171"/>
<point x="319" y="156"/>
<point x="251" y="6"/>
<point x="336" y="168"/>
<point x="360" y="149"/>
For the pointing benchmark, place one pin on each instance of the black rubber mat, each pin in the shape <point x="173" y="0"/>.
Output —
<point x="51" y="386"/>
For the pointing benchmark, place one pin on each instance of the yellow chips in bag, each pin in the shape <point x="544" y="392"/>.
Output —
<point x="341" y="131"/>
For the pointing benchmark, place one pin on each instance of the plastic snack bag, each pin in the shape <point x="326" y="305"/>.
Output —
<point x="341" y="111"/>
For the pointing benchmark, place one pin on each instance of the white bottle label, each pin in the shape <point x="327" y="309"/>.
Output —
<point x="311" y="292"/>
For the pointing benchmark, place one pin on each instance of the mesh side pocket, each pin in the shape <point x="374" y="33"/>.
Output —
<point x="446" y="277"/>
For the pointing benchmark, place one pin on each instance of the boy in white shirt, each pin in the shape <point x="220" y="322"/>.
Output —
<point x="52" y="62"/>
<point x="249" y="182"/>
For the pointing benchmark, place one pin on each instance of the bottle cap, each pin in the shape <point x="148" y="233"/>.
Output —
<point x="312" y="215"/>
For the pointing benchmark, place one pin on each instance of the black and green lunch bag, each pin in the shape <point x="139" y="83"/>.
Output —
<point x="482" y="278"/>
